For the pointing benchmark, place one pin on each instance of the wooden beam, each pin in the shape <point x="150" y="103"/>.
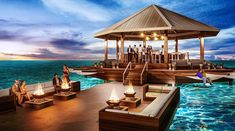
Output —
<point x="106" y="50"/>
<point x="117" y="49"/>
<point x="176" y="45"/>
<point x="169" y="35"/>
<point x="122" y="48"/>
<point x="184" y="34"/>
<point x="202" y="49"/>
<point x="165" y="49"/>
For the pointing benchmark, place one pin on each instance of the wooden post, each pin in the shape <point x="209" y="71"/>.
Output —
<point x="122" y="48"/>
<point x="176" y="45"/>
<point x="117" y="49"/>
<point x="106" y="50"/>
<point x="202" y="49"/>
<point x="165" y="49"/>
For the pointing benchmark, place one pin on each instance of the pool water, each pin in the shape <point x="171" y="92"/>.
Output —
<point x="86" y="81"/>
<point x="205" y="109"/>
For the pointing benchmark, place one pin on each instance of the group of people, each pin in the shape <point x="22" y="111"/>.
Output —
<point x="57" y="82"/>
<point x="20" y="90"/>
<point x="140" y="54"/>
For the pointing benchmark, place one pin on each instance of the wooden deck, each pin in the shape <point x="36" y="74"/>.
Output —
<point x="159" y="76"/>
<point x="79" y="114"/>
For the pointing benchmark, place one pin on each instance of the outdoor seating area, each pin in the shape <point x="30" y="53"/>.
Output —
<point x="8" y="102"/>
<point x="155" y="116"/>
<point x="87" y="111"/>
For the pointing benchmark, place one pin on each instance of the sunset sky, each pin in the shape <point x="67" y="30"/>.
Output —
<point x="64" y="29"/>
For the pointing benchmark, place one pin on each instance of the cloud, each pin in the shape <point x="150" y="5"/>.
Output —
<point x="5" y="35"/>
<point x="81" y="8"/>
<point x="41" y="53"/>
<point x="67" y="26"/>
<point x="44" y="53"/>
<point x="68" y="44"/>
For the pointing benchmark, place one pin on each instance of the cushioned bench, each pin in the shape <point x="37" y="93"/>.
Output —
<point x="156" y="116"/>
<point x="150" y="92"/>
<point x="49" y="89"/>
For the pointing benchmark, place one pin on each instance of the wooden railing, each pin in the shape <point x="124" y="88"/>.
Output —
<point x="145" y="68"/>
<point x="126" y="71"/>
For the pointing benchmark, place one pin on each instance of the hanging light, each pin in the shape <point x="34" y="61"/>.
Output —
<point x="162" y="37"/>
<point x="154" y="34"/>
<point x="147" y="38"/>
<point x="156" y="38"/>
<point x="142" y="34"/>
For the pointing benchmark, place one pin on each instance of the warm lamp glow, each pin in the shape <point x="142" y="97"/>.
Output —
<point x="156" y="38"/>
<point x="147" y="38"/>
<point x="162" y="37"/>
<point x="142" y="34"/>
<point x="39" y="91"/>
<point x="154" y="34"/>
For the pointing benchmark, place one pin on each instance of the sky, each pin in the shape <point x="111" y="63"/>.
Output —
<point x="64" y="29"/>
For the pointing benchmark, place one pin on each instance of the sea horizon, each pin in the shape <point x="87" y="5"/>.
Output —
<point x="39" y="71"/>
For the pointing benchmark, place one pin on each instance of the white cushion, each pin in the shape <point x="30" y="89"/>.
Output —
<point x="138" y="114"/>
<point x="152" y="94"/>
<point x="157" y="88"/>
<point x="155" y="106"/>
<point x="116" y="111"/>
<point x="167" y="88"/>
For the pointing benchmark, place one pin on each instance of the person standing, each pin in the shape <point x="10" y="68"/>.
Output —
<point x="57" y="82"/>
<point x="145" y="54"/>
<point x="66" y="73"/>
<point x="162" y="54"/>
<point x="136" y="53"/>
<point x="140" y="53"/>
<point x="148" y="53"/>
<point x="129" y="53"/>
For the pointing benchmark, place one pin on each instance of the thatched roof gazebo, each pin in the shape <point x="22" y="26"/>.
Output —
<point x="154" y="23"/>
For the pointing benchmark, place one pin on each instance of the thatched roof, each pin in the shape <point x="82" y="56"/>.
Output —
<point x="155" y="19"/>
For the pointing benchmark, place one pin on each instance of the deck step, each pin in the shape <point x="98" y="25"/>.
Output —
<point x="133" y="75"/>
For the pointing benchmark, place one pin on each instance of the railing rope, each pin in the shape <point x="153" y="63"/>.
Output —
<point x="142" y="72"/>
<point x="125" y="71"/>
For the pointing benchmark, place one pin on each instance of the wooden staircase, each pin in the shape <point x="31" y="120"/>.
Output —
<point x="134" y="75"/>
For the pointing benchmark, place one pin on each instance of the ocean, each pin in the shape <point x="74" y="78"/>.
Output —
<point x="36" y="71"/>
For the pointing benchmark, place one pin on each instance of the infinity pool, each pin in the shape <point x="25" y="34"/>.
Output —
<point x="205" y="109"/>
